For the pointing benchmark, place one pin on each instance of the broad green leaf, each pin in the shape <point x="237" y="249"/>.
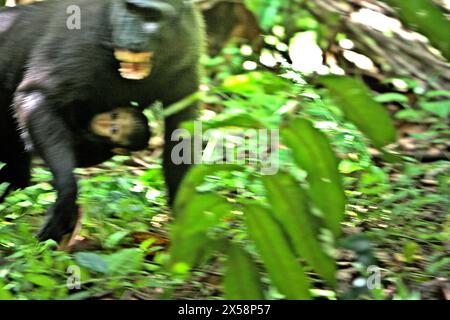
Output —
<point x="313" y="153"/>
<point x="284" y="270"/>
<point x="242" y="280"/>
<point x="348" y="166"/>
<point x="354" y="98"/>
<point x="265" y="10"/>
<point x="3" y="187"/>
<point x="125" y="261"/>
<point x="437" y="93"/>
<point x="441" y="264"/>
<point x="195" y="214"/>
<point x="195" y="218"/>
<point x="115" y="238"/>
<point x="193" y="179"/>
<point x="428" y="19"/>
<point x="91" y="261"/>
<point x="410" y="250"/>
<point x="257" y="82"/>
<point x="290" y="206"/>
<point x="439" y="108"/>
<point x="41" y="280"/>
<point x="241" y="120"/>
<point x="5" y="294"/>
<point x="392" y="97"/>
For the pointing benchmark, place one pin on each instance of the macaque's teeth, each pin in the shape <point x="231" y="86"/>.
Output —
<point x="134" y="65"/>
<point x="135" y="71"/>
<point x="133" y="57"/>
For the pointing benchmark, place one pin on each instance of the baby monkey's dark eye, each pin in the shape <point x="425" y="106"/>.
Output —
<point x="114" y="115"/>
<point x="114" y="130"/>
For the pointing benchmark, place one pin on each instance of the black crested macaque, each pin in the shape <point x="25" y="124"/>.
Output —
<point x="121" y="51"/>
<point x="96" y="140"/>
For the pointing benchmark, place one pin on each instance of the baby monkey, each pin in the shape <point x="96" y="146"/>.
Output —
<point x="100" y="137"/>
<point x="118" y="131"/>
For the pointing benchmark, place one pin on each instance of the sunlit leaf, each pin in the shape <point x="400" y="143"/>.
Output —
<point x="241" y="120"/>
<point x="281" y="264"/>
<point x="439" y="108"/>
<point x="124" y="261"/>
<point x="91" y="261"/>
<point x="115" y="238"/>
<point x="5" y="294"/>
<point x="193" y="179"/>
<point x="313" y="153"/>
<point x="354" y="98"/>
<point x="41" y="280"/>
<point x="291" y="208"/>
<point x="242" y="280"/>
<point x="265" y="10"/>
<point x="253" y="83"/>
<point x="194" y="219"/>
<point x="392" y="97"/>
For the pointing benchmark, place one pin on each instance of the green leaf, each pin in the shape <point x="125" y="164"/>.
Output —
<point x="290" y="207"/>
<point x="437" y="93"/>
<point x="194" y="219"/>
<point x="355" y="99"/>
<point x="441" y="264"/>
<point x="409" y="250"/>
<point x="281" y="264"/>
<point x="241" y="281"/>
<point x="348" y="166"/>
<point x="5" y="294"/>
<point x="313" y="153"/>
<point x="439" y="108"/>
<point x="125" y="261"/>
<point x="91" y="261"/>
<point x="265" y="10"/>
<point x="115" y="238"/>
<point x="241" y="120"/>
<point x="196" y="213"/>
<point x="193" y="179"/>
<point x="257" y="82"/>
<point x="392" y="97"/>
<point x="41" y="280"/>
<point x="411" y="114"/>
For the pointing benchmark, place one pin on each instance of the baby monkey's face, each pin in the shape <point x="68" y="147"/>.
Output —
<point x="117" y="125"/>
<point x="123" y="127"/>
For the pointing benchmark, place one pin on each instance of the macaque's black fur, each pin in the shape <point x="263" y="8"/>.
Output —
<point x="48" y="72"/>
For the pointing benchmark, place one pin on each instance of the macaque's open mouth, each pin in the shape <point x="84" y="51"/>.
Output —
<point x="134" y="65"/>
